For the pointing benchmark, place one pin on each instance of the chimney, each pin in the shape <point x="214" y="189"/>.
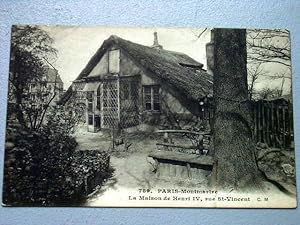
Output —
<point x="210" y="54"/>
<point x="155" y="42"/>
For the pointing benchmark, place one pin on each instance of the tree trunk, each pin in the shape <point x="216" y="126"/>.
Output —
<point x="235" y="161"/>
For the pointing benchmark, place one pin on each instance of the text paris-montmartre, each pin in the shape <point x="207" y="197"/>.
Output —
<point x="185" y="191"/>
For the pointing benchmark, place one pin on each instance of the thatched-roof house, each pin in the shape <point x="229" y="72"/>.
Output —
<point x="128" y="85"/>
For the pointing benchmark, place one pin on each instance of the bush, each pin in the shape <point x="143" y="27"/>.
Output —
<point x="42" y="167"/>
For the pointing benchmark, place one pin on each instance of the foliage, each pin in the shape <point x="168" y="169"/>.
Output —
<point x="42" y="168"/>
<point x="41" y="162"/>
<point x="31" y="48"/>
<point x="41" y="165"/>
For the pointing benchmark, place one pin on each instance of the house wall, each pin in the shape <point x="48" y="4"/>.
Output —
<point x="172" y="109"/>
<point x="127" y="66"/>
<point x="169" y="103"/>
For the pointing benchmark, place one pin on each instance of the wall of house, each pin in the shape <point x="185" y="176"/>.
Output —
<point x="172" y="109"/>
<point x="127" y="66"/>
<point x="168" y="101"/>
<point x="173" y="112"/>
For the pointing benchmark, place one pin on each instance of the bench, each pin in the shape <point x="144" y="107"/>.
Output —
<point x="182" y="160"/>
<point x="181" y="165"/>
<point x="199" y="142"/>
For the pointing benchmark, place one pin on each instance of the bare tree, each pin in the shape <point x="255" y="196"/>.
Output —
<point x="269" y="46"/>
<point x="265" y="46"/>
<point x="255" y="71"/>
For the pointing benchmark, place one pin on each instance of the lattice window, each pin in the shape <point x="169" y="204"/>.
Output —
<point x="110" y="104"/>
<point x="129" y="102"/>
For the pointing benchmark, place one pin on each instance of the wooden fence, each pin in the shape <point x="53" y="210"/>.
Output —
<point x="273" y="122"/>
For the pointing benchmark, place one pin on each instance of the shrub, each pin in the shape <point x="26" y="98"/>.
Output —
<point x="42" y="167"/>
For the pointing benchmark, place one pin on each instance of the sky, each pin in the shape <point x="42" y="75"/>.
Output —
<point x="76" y="45"/>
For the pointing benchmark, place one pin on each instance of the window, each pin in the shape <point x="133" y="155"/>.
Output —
<point x="114" y="61"/>
<point x="90" y="101"/>
<point x="80" y="94"/>
<point x="90" y="120"/>
<point x="98" y="99"/>
<point x="151" y="98"/>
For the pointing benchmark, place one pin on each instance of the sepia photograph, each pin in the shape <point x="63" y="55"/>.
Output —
<point x="149" y="117"/>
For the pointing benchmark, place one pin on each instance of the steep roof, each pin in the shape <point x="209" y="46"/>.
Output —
<point x="52" y="76"/>
<point x="177" y="69"/>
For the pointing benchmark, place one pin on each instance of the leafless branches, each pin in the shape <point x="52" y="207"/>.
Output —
<point x="269" y="46"/>
<point x="202" y="32"/>
<point x="254" y="72"/>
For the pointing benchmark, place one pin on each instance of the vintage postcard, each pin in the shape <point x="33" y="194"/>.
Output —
<point x="149" y="117"/>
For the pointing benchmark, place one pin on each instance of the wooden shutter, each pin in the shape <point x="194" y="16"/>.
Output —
<point x="114" y="61"/>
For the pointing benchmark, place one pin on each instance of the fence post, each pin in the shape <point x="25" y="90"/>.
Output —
<point x="273" y="130"/>
<point x="284" y="125"/>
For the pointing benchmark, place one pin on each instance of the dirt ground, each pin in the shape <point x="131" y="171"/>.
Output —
<point x="133" y="167"/>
